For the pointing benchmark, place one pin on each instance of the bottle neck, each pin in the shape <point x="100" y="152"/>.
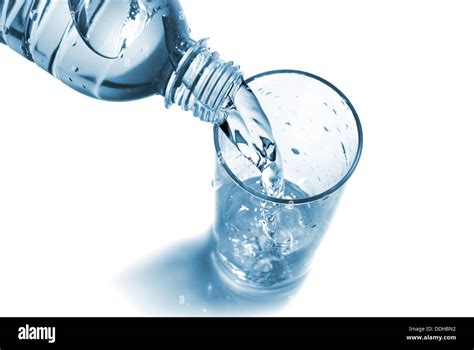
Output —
<point x="204" y="84"/>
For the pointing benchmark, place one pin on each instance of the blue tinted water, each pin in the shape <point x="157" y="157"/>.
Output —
<point x="108" y="49"/>
<point x="256" y="255"/>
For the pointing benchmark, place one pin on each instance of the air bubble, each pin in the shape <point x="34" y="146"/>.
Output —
<point x="243" y="208"/>
<point x="284" y="242"/>
<point x="264" y="265"/>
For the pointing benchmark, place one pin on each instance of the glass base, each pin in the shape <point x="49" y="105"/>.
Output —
<point x="235" y="279"/>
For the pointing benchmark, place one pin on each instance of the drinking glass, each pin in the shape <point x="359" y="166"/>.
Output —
<point x="319" y="137"/>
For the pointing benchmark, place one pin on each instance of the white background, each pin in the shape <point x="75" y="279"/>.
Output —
<point x="90" y="189"/>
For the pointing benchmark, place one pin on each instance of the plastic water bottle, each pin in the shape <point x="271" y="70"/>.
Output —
<point x="121" y="50"/>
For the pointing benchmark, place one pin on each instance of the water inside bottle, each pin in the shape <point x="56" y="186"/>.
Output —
<point x="109" y="26"/>
<point x="115" y="50"/>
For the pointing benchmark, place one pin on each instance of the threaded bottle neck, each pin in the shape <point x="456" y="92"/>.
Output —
<point x="203" y="83"/>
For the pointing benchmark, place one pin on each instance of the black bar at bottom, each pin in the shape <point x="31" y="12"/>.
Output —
<point x="447" y="333"/>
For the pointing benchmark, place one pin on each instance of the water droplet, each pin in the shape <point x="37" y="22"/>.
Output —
<point x="334" y="111"/>
<point x="74" y="43"/>
<point x="313" y="226"/>
<point x="326" y="129"/>
<point x="70" y="79"/>
<point x="74" y="68"/>
<point x="295" y="151"/>
<point x="34" y="15"/>
<point x="83" y="86"/>
<point x="344" y="151"/>
<point x="288" y="123"/>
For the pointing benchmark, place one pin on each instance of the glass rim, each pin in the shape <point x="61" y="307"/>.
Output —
<point x="318" y="196"/>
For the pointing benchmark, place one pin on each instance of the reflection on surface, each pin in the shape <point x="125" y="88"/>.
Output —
<point x="183" y="281"/>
